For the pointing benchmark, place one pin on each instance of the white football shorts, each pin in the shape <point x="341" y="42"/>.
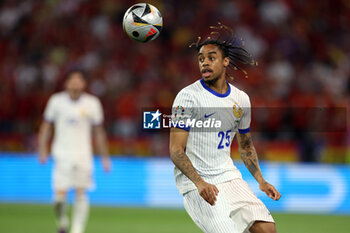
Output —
<point x="67" y="175"/>
<point x="235" y="210"/>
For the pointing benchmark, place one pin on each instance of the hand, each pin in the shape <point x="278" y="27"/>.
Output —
<point x="270" y="191"/>
<point x="106" y="163"/>
<point x="43" y="156"/>
<point x="207" y="191"/>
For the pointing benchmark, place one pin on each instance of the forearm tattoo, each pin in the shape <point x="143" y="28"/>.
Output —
<point x="182" y="162"/>
<point x="249" y="156"/>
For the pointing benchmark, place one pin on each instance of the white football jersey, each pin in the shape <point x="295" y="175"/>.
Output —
<point x="73" y="121"/>
<point x="209" y="148"/>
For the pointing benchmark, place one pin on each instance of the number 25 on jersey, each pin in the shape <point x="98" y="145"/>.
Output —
<point x="225" y="139"/>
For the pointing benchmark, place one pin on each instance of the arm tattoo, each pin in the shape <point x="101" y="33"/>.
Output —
<point x="245" y="142"/>
<point x="251" y="165"/>
<point x="249" y="156"/>
<point x="182" y="162"/>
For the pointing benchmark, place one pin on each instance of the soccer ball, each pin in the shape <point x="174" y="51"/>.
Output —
<point x="142" y="22"/>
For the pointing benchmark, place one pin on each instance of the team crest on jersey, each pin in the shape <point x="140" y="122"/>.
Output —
<point x="237" y="110"/>
<point x="83" y="112"/>
<point x="179" y="112"/>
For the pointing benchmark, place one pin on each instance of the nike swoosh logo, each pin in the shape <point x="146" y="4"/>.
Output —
<point x="206" y="116"/>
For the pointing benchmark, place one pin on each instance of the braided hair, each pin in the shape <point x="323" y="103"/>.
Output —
<point x="224" y="37"/>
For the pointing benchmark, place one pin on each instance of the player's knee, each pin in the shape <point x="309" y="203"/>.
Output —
<point x="263" y="227"/>
<point x="60" y="196"/>
<point x="270" y="229"/>
<point x="80" y="195"/>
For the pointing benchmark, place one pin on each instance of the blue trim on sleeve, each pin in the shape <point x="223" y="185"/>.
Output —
<point x="179" y="127"/>
<point x="214" y="92"/>
<point x="243" y="131"/>
<point x="184" y="128"/>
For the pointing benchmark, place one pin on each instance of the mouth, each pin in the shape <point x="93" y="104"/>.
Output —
<point x="206" y="72"/>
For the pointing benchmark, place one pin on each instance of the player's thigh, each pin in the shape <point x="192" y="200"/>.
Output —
<point x="62" y="176"/>
<point x="83" y="176"/>
<point x="263" y="227"/>
<point x="211" y="219"/>
<point x="247" y="208"/>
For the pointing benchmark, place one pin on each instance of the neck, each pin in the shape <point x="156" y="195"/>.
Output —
<point x="219" y="86"/>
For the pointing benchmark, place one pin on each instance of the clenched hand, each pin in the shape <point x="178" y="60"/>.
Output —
<point x="207" y="191"/>
<point x="270" y="191"/>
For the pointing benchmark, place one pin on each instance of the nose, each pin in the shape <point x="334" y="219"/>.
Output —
<point x="205" y="62"/>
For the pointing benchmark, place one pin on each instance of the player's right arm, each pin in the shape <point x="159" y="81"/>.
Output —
<point x="178" y="140"/>
<point x="46" y="127"/>
<point x="44" y="137"/>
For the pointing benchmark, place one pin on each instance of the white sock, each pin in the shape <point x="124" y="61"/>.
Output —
<point x="80" y="213"/>
<point x="61" y="212"/>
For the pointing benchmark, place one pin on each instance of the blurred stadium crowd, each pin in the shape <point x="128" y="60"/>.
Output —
<point x="302" y="48"/>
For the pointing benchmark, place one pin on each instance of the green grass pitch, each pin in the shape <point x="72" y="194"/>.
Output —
<point x="29" y="218"/>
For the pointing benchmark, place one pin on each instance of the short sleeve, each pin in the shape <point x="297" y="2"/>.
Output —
<point x="244" y="124"/>
<point x="50" y="112"/>
<point x="97" y="114"/>
<point x="182" y="110"/>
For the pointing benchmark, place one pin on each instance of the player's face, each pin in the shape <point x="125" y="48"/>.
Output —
<point x="211" y="63"/>
<point x="75" y="85"/>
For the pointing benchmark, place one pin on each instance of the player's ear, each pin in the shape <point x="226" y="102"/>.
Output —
<point x="226" y="62"/>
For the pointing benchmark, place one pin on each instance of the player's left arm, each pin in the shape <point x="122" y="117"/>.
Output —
<point x="101" y="144"/>
<point x="250" y="158"/>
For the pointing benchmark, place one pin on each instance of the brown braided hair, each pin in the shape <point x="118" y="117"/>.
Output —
<point x="224" y="37"/>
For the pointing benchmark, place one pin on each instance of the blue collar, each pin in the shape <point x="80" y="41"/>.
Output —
<point x="214" y="92"/>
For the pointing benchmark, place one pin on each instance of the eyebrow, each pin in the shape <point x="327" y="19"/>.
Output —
<point x="213" y="52"/>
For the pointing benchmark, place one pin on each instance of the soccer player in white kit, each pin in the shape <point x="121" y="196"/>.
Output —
<point x="215" y="196"/>
<point x="74" y="115"/>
